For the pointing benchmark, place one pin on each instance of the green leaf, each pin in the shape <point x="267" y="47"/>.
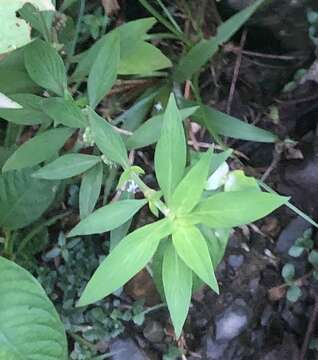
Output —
<point x="202" y="52"/>
<point x="31" y="112"/>
<point x="171" y="150"/>
<point x="23" y="199"/>
<point x="30" y="327"/>
<point x="235" y="208"/>
<point x="238" y="181"/>
<point x="296" y="251"/>
<point x="108" y="217"/>
<point x="149" y="132"/>
<point x="142" y="58"/>
<point x="177" y="281"/>
<point x="226" y="30"/>
<point x="38" y="149"/>
<point x="46" y="67"/>
<point x="127" y="258"/>
<point x="16" y="81"/>
<point x="293" y="293"/>
<point x="193" y="250"/>
<point x="15" y="32"/>
<point x="195" y="59"/>
<point x="90" y="189"/>
<point x="189" y="191"/>
<point x="108" y="140"/>
<point x="313" y="258"/>
<point x="104" y="70"/>
<point x="226" y="125"/>
<point x="217" y="240"/>
<point x="64" y="111"/>
<point x="67" y="166"/>
<point x="288" y="272"/>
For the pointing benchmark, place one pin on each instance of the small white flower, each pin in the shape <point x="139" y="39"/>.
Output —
<point x="158" y="106"/>
<point x="131" y="187"/>
<point x="218" y="178"/>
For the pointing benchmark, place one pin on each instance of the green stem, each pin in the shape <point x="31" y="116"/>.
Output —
<point x="77" y="32"/>
<point x="108" y="183"/>
<point x="8" y="244"/>
<point x="38" y="229"/>
<point x="171" y="19"/>
<point x="163" y="21"/>
<point x="148" y="192"/>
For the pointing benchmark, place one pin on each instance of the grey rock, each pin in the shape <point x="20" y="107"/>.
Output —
<point x="235" y="261"/>
<point x="214" y="349"/>
<point x="154" y="332"/>
<point x="290" y="234"/>
<point x="231" y="323"/>
<point x="124" y="349"/>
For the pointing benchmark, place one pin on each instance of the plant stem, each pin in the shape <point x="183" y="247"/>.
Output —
<point x="8" y="244"/>
<point x="77" y="32"/>
<point x="163" y="21"/>
<point x="148" y="192"/>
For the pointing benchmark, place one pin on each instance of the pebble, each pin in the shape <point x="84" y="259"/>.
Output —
<point x="231" y="323"/>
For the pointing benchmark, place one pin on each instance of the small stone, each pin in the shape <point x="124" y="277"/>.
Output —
<point x="231" y="323"/>
<point x="124" y="349"/>
<point x="154" y="332"/>
<point x="235" y="261"/>
<point x="214" y="349"/>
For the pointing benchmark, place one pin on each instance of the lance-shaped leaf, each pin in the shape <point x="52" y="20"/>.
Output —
<point x="104" y="70"/>
<point x="177" y="282"/>
<point x="40" y="148"/>
<point x="108" y="217"/>
<point x="189" y="191"/>
<point x="170" y="155"/>
<point x="234" y="208"/>
<point x="127" y="258"/>
<point x="193" y="250"/>
<point x="202" y="52"/>
<point x="45" y="66"/>
<point x="90" y="189"/>
<point x="108" y="140"/>
<point x="67" y="166"/>
<point x="64" y="112"/>
<point x="30" y="327"/>
<point x="149" y="132"/>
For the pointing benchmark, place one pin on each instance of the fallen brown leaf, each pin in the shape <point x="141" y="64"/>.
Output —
<point x="110" y="6"/>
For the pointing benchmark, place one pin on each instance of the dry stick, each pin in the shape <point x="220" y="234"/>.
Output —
<point x="236" y="72"/>
<point x="310" y="330"/>
<point x="187" y="94"/>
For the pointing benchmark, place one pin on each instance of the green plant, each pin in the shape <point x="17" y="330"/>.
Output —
<point x="51" y="95"/>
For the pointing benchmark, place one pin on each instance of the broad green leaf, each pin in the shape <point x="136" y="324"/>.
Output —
<point x="226" y="125"/>
<point x="149" y="132"/>
<point x="189" y="191"/>
<point x="177" y="281"/>
<point x="90" y="189"/>
<point x="23" y="199"/>
<point x="46" y="67"/>
<point x="127" y="258"/>
<point x="226" y="30"/>
<point x="67" y="166"/>
<point x="171" y="150"/>
<point x="38" y="149"/>
<point x="193" y="250"/>
<point x="108" y="140"/>
<point x="31" y="112"/>
<point x="108" y="217"/>
<point x="103" y="73"/>
<point x="235" y="208"/>
<point x="203" y="51"/>
<point x="15" y="32"/>
<point x="142" y="58"/>
<point x="238" y="181"/>
<point x="217" y="240"/>
<point x="30" y="327"/>
<point x="16" y="81"/>
<point x="219" y="159"/>
<point x="130" y="34"/>
<point x="288" y="272"/>
<point x="293" y="293"/>
<point x="64" y="112"/>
